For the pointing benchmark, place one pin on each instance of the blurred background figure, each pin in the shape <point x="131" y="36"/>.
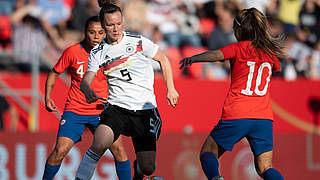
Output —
<point x="288" y="13"/>
<point x="220" y="37"/>
<point x="13" y="115"/>
<point x="134" y="12"/>
<point x="188" y="24"/>
<point x="309" y="17"/>
<point x="83" y="9"/>
<point x="161" y="13"/>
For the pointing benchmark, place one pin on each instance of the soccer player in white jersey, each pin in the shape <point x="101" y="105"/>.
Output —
<point x="125" y="58"/>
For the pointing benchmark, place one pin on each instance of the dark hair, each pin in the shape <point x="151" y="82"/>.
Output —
<point x="252" y="25"/>
<point x="108" y="9"/>
<point x="90" y="20"/>
<point x="106" y="2"/>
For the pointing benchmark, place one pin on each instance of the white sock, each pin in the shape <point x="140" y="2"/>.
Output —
<point x="87" y="165"/>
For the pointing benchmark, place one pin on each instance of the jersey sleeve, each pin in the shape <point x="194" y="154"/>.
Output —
<point x="93" y="61"/>
<point x="149" y="48"/>
<point x="229" y="52"/>
<point x="64" y="61"/>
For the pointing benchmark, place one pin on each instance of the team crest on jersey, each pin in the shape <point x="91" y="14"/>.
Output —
<point x="129" y="49"/>
<point x="62" y="122"/>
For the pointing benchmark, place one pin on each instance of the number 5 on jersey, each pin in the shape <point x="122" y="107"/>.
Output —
<point x="249" y="92"/>
<point x="125" y="73"/>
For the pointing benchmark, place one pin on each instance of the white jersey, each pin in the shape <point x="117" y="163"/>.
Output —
<point x="129" y="70"/>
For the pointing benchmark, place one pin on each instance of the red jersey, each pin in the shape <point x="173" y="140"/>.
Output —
<point x="75" y="58"/>
<point x="251" y="73"/>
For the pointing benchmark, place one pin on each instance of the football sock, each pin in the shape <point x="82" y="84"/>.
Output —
<point x="123" y="169"/>
<point x="87" y="165"/>
<point x="50" y="171"/>
<point x="210" y="165"/>
<point x="272" y="174"/>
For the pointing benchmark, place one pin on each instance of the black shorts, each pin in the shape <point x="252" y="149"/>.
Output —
<point x="143" y="126"/>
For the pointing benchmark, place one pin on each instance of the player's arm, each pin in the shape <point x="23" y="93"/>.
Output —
<point x="51" y="79"/>
<point x="14" y="118"/>
<point x="208" y="56"/>
<point x="90" y="95"/>
<point x="172" y="94"/>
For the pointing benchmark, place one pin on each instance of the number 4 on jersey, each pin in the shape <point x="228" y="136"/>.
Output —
<point x="80" y="71"/>
<point x="249" y="92"/>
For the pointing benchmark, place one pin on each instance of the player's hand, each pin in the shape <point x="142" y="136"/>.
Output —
<point x="186" y="62"/>
<point x="172" y="97"/>
<point x="91" y="96"/>
<point x="50" y="106"/>
<point x="103" y="100"/>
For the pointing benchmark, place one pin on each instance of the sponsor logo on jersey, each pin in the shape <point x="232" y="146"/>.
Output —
<point x="62" y="122"/>
<point x="81" y="62"/>
<point x="100" y="47"/>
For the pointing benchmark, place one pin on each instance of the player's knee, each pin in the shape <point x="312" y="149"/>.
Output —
<point x="262" y="168"/>
<point x="60" y="153"/>
<point x="99" y="148"/>
<point x="148" y="170"/>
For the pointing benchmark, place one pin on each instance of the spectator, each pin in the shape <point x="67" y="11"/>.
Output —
<point x="135" y="13"/>
<point x="5" y="32"/>
<point x="6" y="106"/>
<point x="261" y="5"/>
<point x="31" y="37"/>
<point x="315" y="63"/>
<point x="83" y="10"/>
<point x="188" y="24"/>
<point x="221" y="36"/>
<point x="276" y="28"/>
<point x="161" y="13"/>
<point x="157" y="38"/>
<point x="7" y="7"/>
<point x="309" y="18"/>
<point x="298" y="53"/>
<point x="288" y="13"/>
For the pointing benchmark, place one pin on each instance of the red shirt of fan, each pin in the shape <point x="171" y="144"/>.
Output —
<point x="248" y="96"/>
<point x="75" y="59"/>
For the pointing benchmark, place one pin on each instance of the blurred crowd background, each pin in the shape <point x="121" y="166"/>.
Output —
<point x="181" y="28"/>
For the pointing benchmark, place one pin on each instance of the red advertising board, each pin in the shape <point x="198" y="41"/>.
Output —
<point x="296" y="107"/>
<point x="22" y="157"/>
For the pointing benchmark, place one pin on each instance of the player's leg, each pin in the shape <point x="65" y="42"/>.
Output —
<point x="209" y="154"/>
<point x="145" y="144"/>
<point x="54" y="160"/>
<point x="102" y="140"/>
<point x="223" y="137"/>
<point x="263" y="163"/>
<point x="145" y="164"/>
<point x="260" y="139"/>
<point x="70" y="130"/>
<point x="107" y="131"/>
<point x="122" y="163"/>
